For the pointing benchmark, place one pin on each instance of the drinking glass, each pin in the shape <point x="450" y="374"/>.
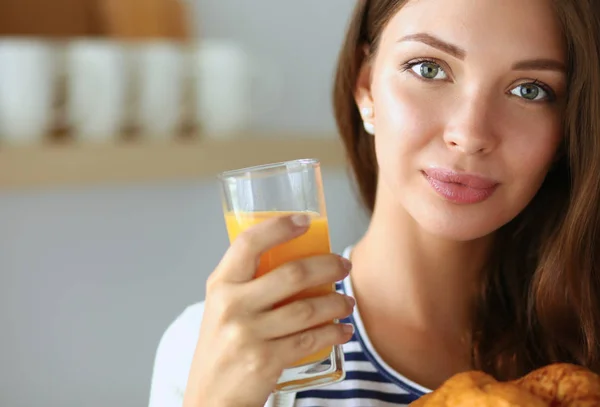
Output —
<point x="252" y="195"/>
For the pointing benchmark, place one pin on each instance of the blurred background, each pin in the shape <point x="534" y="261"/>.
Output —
<point x="115" y="116"/>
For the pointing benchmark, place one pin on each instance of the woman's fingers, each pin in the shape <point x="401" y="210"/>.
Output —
<point x="303" y="314"/>
<point x="314" y="273"/>
<point x="240" y="261"/>
<point x="293" y="348"/>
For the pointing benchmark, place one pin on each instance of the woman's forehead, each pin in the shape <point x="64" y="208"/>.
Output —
<point x="512" y="27"/>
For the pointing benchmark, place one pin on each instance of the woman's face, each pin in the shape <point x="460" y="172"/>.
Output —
<point x="467" y="102"/>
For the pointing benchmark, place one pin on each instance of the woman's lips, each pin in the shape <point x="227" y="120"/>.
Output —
<point x="458" y="187"/>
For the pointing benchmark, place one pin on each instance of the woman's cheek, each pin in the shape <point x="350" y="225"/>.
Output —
<point x="405" y="114"/>
<point x="530" y="145"/>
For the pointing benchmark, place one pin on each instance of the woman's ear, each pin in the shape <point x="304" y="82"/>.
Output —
<point x="362" y="94"/>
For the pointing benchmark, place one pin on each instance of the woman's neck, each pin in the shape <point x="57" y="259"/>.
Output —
<point x="415" y="293"/>
<point x="428" y="281"/>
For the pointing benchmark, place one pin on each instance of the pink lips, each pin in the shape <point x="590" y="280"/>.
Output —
<point x="460" y="188"/>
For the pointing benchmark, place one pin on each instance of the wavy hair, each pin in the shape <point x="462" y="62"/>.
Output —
<point x="539" y="300"/>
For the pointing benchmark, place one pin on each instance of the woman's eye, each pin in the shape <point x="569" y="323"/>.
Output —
<point x="429" y="70"/>
<point x="530" y="91"/>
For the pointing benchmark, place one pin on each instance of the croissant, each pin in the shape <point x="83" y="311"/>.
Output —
<point x="555" y="385"/>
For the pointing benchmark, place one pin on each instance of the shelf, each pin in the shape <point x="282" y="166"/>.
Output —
<point x="71" y="164"/>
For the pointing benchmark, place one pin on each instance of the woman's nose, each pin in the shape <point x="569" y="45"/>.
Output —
<point x="470" y="129"/>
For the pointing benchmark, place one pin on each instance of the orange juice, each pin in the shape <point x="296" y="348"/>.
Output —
<point x="314" y="242"/>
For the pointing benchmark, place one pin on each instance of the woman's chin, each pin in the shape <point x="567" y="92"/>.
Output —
<point x="457" y="227"/>
<point x="448" y="232"/>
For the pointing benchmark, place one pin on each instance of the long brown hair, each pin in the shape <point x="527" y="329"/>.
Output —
<point x="540" y="295"/>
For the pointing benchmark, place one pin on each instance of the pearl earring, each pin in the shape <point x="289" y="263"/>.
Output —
<point x="367" y="113"/>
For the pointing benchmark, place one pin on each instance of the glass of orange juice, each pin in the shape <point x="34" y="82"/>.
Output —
<point x="251" y="195"/>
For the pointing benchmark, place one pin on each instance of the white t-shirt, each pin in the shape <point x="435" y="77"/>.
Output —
<point x="369" y="380"/>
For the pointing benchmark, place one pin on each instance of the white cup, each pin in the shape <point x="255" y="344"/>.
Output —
<point x="97" y="89"/>
<point x="27" y="90"/>
<point x="227" y="78"/>
<point x="160" y="70"/>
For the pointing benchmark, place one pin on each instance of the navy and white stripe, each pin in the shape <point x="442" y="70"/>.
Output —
<point x="369" y="382"/>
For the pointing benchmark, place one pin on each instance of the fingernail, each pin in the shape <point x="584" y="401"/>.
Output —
<point x="300" y="220"/>
<point x="348" y="328"/>
<point x="351" y="301"/>
<point x="347" y="264"/>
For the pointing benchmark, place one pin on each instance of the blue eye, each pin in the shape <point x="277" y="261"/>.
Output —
<point x="531" y="91"/>
<point x="429" y="70"/>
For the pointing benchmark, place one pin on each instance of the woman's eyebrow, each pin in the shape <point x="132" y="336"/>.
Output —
<point x="436" y="42"/>
<point x="538" y="64"/>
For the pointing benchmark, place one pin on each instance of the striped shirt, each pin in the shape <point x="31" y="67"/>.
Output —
<point x="369" y="380"/>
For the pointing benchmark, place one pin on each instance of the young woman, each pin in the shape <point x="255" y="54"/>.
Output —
<point x="473" y="129"/>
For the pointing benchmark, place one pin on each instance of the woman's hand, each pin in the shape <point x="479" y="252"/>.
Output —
<point x="245" y="342"/>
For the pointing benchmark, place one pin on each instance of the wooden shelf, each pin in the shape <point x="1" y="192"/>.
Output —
<point x="70" y="164"/>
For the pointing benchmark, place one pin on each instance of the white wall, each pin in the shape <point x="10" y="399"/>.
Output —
<point x="90" y="278"/>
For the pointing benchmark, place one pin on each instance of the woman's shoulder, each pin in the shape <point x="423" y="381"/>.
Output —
<point x="174" y="357"/>
<point x="183" y="331"/>
<point x="191" y="316"/>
